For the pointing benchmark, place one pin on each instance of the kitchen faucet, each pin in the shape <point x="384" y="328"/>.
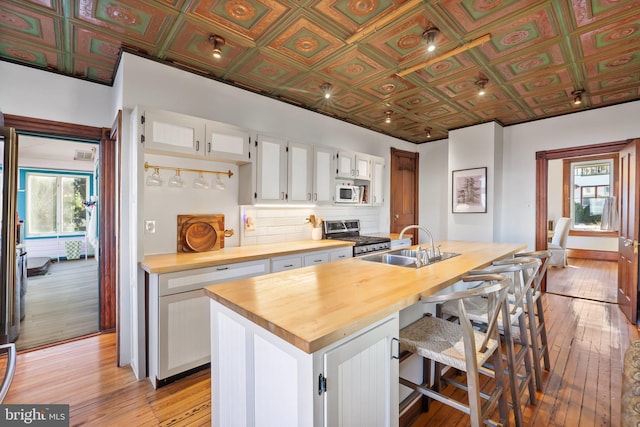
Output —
<point x="432" y="253"/>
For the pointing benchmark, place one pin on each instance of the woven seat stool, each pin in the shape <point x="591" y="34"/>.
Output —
<point x="514" y="330"/>
<point x="459" y="346"/>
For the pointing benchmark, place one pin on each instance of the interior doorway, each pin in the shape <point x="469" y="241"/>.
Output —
<point x="542" y="217"/>
<point x="57" y="209"/>
<point x="108" y="140"/>
<point x="404" y="191"/>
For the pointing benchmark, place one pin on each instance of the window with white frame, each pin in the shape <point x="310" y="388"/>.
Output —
<point x="54" y="204"/>
<point x="591" y="183"/>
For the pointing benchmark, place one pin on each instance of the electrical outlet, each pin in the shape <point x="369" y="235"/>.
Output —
<point x="149" y="226"/>
<point x="249" y="225"/>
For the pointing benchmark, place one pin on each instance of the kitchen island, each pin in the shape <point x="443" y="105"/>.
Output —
<point x="318" y="345"/>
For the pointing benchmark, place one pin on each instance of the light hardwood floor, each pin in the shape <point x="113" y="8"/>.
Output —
<point x="61" y="304"/>
<point x="587" y="340"/>
<point x="594" y="280"/>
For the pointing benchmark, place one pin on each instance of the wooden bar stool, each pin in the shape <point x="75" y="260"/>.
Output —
<point x="513" y="328"/>
<point x="535" y="311"/>
<point x="459" y="346"/>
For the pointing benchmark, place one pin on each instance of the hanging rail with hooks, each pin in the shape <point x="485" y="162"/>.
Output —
<point x="199" y="171"/>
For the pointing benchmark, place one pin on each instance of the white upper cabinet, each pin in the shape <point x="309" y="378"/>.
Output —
<point x="377" y="181"/>
<point x="300" y="172"/>
<point x="353" y="166"/>
<point x="285" y="172"/>
<point x="323" y="183"/>
<point x="271" y="170"/>
<point x="171" y="132"/>
<point x="346" y="164"/>
<point x="363" y="167"/>
<point x="166" y="132"/>
<point x="227" y="142"/>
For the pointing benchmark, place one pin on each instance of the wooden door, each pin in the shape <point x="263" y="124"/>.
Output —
<point x="404" y="191"/>
<point x="628" y="239"/>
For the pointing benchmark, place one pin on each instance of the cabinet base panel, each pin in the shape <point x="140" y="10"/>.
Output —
<point x="169" y="380"/>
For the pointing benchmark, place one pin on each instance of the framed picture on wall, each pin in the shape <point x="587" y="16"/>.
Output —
<point x="469" y="187"/>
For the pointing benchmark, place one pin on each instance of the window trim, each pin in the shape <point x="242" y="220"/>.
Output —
<point x="566" y="190"/>
<point x="57" y="174"/>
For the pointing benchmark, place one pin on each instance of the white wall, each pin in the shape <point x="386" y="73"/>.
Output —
<point x="476" y="147"/>
<point x="521" y="142"/>
<point x="33" y="93"/>
<point x="434" y="179"/>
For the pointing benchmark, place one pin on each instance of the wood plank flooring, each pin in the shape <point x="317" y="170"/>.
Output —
<point x="61" y="304"/>
<point x="594" y="280"/>
<point x="587" y="341"/>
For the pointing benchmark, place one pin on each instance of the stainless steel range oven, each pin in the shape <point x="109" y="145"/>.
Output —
<point x="350" y="230"/>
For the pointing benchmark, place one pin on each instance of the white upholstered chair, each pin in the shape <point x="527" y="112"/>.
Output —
<point x="558" y="245"/>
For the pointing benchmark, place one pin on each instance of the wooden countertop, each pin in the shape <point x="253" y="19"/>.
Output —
<point x="167" y="263"/>
<point x="315" y="306"/>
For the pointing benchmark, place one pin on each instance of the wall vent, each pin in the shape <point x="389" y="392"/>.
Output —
<point x="83" y="155"/>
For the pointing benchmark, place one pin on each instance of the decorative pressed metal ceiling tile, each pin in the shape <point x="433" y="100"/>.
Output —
<point x="29" y="25"/>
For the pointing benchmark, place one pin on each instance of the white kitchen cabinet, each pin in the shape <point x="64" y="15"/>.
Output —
<point x="377" y="181"/>
<point x="179" y="330"/>
<point x="323" y="183"/>
<point x="226" y="142"/>
<point x="352" y="165"/>
<point x="260" y="379"/>
<point x="342" y="253"/>
<point x="184" y="339"/>
<point x="286" y="263"/>
<point x="316" y="258"/>
<point x="284" y="172"/>
<point x="271" y="170"/>
<point x="362" y="379"/>
<point x="299" y="172"/>
<point x="164" y="131"/>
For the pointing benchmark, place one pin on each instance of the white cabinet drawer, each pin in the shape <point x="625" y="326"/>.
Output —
<point x="316" y="258"/>
<point x="286" y="263"/>
<point x="342" y="253"/>
<point x="183" y="281"/>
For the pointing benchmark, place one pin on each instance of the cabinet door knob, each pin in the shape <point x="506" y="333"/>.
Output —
<point x="209" y="147"/>
<point x="197" y="145"/>
<point x="308" y="196"/>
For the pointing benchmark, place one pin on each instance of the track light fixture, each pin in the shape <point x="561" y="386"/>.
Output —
<point x="480" y="85"/>
<point x="430" y="36"/>
<point x="326" y="90"/>
<point x="428" y="130"/>
<point x="577" y="97"/>
<point x="217" y="43"/>
<point x="388" y="114"/>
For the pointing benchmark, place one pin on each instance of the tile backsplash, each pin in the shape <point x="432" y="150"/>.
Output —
<point x="284" y="224"/>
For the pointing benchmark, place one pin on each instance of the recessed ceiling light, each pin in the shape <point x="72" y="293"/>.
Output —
<point x="577" y="97"/>
<point x="388" y="114"/>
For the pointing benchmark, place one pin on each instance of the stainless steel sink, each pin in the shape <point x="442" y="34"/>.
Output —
<point x="412" y="253"/>
<point x="405" y="258"/>
<point x="391" y="259"/>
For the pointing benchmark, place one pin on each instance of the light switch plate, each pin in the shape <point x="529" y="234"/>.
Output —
<point x="149" y="226"/>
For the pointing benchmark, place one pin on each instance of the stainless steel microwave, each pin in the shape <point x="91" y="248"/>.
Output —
<point x="347" y="193"/>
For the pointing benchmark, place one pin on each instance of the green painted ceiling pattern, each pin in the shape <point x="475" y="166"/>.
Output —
<point x="539" y="53"/>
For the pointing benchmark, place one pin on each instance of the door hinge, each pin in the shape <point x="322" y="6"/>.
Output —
<point x="322" y="384"/>
<point x="141" y="120"/>
<point x="141" y="139"/>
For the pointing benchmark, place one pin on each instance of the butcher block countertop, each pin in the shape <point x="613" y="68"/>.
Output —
<point x="168" y="263"/>
<point x="315" y="306"/>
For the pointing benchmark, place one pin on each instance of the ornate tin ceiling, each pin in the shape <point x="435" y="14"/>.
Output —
<point x="539" y="52"/>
